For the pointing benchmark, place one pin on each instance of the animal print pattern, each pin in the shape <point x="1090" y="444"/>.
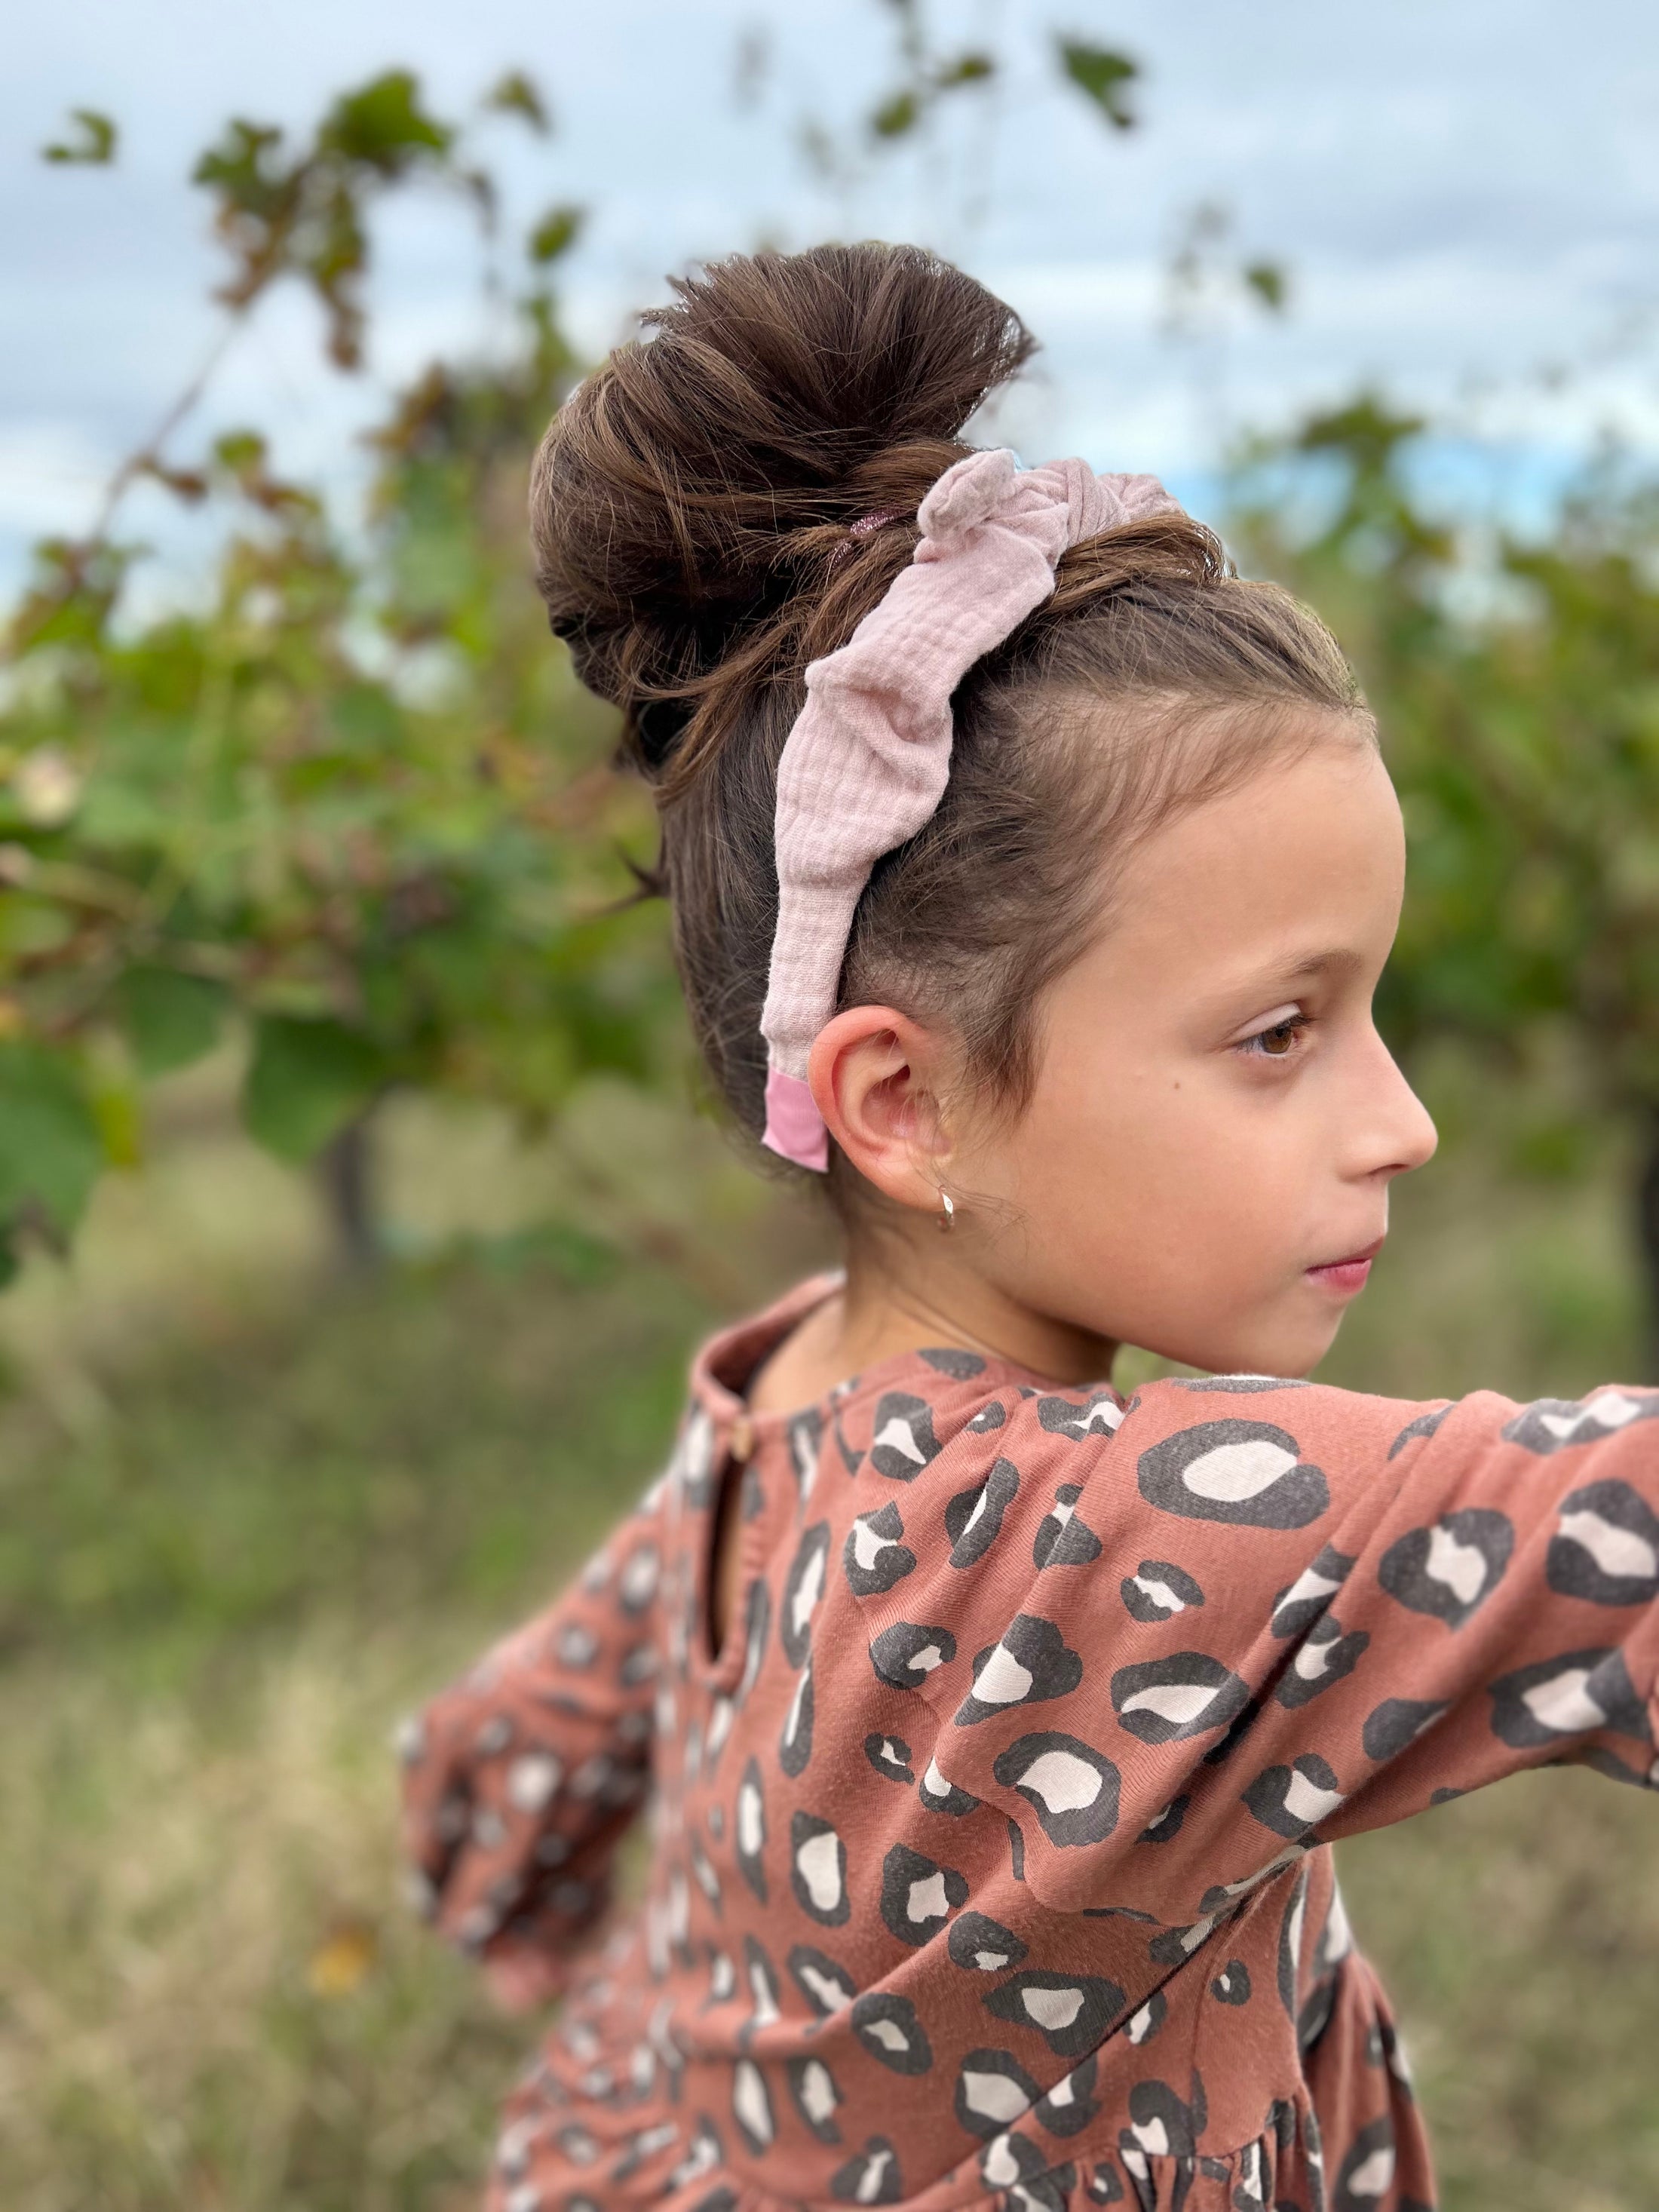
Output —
<point x="991" y="1855"/>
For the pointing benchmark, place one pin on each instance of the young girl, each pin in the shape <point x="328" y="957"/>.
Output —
<point x="1031" y="876"/>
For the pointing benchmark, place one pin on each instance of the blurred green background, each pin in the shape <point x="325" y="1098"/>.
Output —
<point x="359" y="1208"/>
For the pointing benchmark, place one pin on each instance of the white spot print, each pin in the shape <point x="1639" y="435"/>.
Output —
<point x="974" y="1519"/>
<point x="888" y="2033"/>
<point x="752" y="1831"/>
<point x="868" y="1548"/>
<point x="869" y="2187"/>
<point x="1610" y="1410"/>
<point x="1233" y="1472"/>
<point x="926" y="1900"/>
<point x="532" y="1780"/>
<point x="1309" y="1585"/>
<point x="1063" y="2093"/>
<point x="818" y="1862"/>
<point x="1619" y="1553"/>
<point x="1461" y="1567"/>
<point x="1374" y="2176"/>
<point x="722" y="1977"/>
<point x="1160" y="1592"/>
<point x="1314" y="1660"/>
<point x="1152" y="2136"/>
<point x="1001" y="1680"/>
<point x="1197" y="1934"/>
<point x="832" y="1996"/>
<point x="1306" y="1801"/>
<point x="928" y="1658"/>
<point x="1142" y="2026"/>
<point x="719" y="1726"/>
<point x="818" y="2091"/>
<point x="1000" y="2166"/>
<point x="805" y="1601"/>
<point x="766" y="2011"/>
<point x="994" y="2095"/>
<point x="1179" y="1702"/>
<point x="990" y="1962"/>
<point x="639" y="1579"/>
<point x="934" y="1782"/>
<point x="1564" y="1703"/>
<point x="1064" y="1782"/>
<point x="898" y="1437"/>
<point x="1051" y="2008"/>
<point x="1135" y="2161"/>
<point x="749" y="2101"/>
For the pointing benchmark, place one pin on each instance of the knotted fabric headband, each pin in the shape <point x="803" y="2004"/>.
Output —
<point x="866" y="764"/>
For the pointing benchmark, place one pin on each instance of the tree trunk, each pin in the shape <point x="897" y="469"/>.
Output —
<point x="347" y="1169"/>
<point x="1647" y="1229"/>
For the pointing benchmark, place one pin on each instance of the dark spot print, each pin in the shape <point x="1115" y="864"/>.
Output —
<point x="1186" y="1694"/>
<point x="1290" y="1800"/>
<point x="1449" y="1570"/>
<point x="851" y="1460"/>
<point x="825" y="1987"/>
<point x="802" y="1590"/>
<point x="1299" y="1605"/>
<point x="973" y="1518"/>
<point x="795" y="1744"/>
<point x="906" y="1654"/>
<point x="1071" y="2011"/>
<point x="1324" y="1655"/>
<point x="903" y="1442"/>
<point x="890" y="1755"/>
<point x="993" y="2091"/>
<point x="989" y="1417"/>
<point x="871" y="2178"/>
<point x="1577" y="1693"/>
<point x="1552" y="1424"/>
<point x="1167" y="1824"/>
<point x="1157" y="1591"/>
<point x="1009" y="2162"/>
<point x="918" y="1895"/>
<point x="816" y="2096"/>
<point x="1248" y="1473"/>
<point x="1104" y="2186"/>
<point x="718" y="2200"/>
<point x="1073" y="1788"/>
<point x="889" y="2029"/>
<point x="817" y="1870"/>
<point x="1031" y="1663"/>
<point x="1141" y="2027"/>
<point x="1236" y="1386"/>
<point x="1423" y="1426"/>
<point x="1606" y="1546"/>
<point x="1232" y="1986"/>
<point x="940" y="1795"/>
<point x="982" y="1945"/>
<point x="872" y="1557"/>
<point x="749" y="1830"/>
<point x="960" y="1367"/>
<point x="1062" y="1540"/>
<point x="1070" y="2106"/>
<point x="1366" y="2178"/>
<point x="1016" y="1851"/>
<point x="1396" y="1723"/>
<point x="1160" y="2124"/>
<point x="806" y="1434"/>
<point x="1098" y="1415"/>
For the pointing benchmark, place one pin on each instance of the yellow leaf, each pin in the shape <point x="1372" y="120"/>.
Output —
<point x="342" y="1963"/>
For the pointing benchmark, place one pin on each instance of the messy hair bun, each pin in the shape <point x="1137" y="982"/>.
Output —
<point x="720" y="505"/>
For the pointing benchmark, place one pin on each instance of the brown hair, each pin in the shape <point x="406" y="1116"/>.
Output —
<point x="693" y="505"/>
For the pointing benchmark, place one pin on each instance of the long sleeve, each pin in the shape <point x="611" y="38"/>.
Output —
<point x="521" y="1780"/>
<point x="1263" y="1615"/>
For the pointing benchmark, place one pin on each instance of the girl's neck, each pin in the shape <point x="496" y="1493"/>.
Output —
<point x="910" y="1294"/>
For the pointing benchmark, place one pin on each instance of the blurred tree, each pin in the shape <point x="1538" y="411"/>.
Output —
<point x="1517" y="684"/>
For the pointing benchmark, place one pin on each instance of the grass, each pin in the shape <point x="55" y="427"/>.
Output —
<point x="251" y="1510"/>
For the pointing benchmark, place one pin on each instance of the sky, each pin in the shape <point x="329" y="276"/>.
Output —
<point x="1464" y="194"/>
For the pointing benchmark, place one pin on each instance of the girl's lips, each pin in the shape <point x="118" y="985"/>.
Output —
<point x="1345" y="1276"/>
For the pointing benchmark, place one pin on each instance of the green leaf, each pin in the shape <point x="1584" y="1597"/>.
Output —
<point x="49" y="1152"/>
<point x="170" y="1019"/>
<point x="516" y="94"/>
<point x="1267" y="280"/>
<point x="555" y="233"/>
<point x="94" y="146"/>
<point x="384" y="126"/>
<point x="967" y="69"/>
<point x="306" y="1081"/>
<point x="897" y="116"/>
<point x="1103" y="76"/>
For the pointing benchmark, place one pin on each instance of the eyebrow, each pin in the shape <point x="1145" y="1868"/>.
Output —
<point x="1263" y="983"/>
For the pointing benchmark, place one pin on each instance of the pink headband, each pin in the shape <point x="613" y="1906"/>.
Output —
<point x="865" y="764"/>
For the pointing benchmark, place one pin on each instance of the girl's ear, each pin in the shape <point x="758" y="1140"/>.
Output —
<point x="875" y="1075"/>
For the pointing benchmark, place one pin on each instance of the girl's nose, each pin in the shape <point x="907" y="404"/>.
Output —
<point x="1399" y="1130"/>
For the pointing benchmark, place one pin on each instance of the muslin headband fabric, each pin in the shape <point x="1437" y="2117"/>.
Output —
<point x="865" y="764"/>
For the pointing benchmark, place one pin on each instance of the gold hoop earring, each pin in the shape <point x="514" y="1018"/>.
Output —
<point x="947" y="1218"/>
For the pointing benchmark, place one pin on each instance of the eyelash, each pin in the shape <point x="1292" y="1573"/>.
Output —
<point x="1252" y="1047"/>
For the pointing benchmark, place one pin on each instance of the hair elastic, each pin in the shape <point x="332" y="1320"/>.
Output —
<point x="865" y="764"/>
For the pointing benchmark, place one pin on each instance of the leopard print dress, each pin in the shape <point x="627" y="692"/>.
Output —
<point x="990" y="1859"/>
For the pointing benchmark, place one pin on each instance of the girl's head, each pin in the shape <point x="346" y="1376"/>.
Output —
<point x="1113" y="998"/>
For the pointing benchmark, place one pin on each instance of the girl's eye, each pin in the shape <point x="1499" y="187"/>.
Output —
<point x="1279" y="1042"/>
